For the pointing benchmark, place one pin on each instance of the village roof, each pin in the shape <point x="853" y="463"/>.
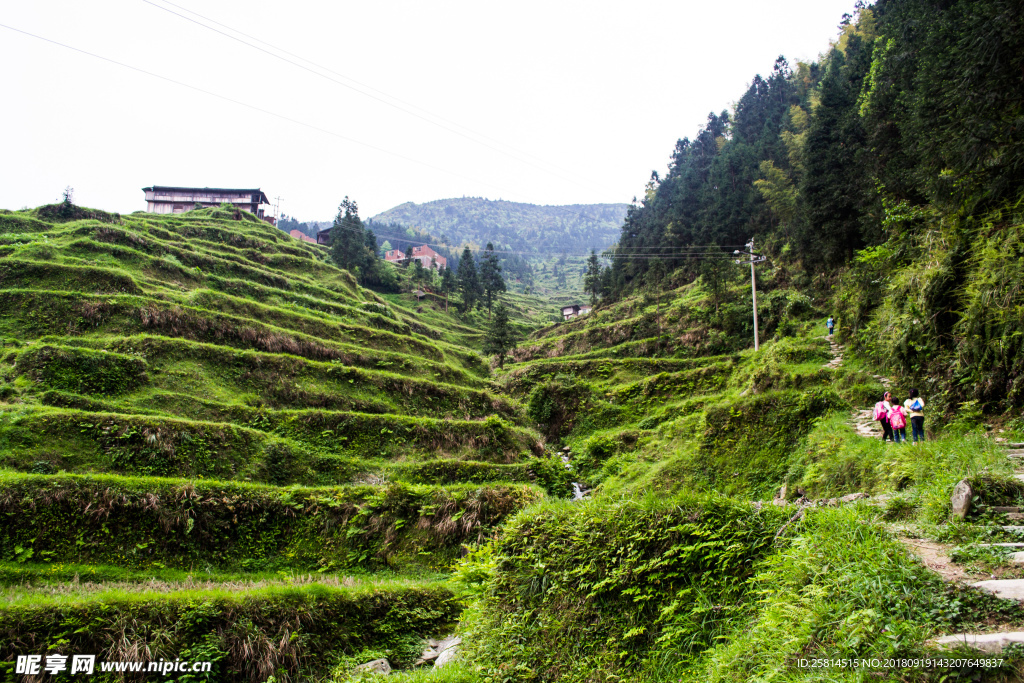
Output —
<point x="227" y="190"/>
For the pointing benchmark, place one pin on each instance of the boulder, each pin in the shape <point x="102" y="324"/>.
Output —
<point x="961" y="498"/>
<point x="447" y="650"/>
<point x="446" y="656"/>
<point x="377" y="666"/>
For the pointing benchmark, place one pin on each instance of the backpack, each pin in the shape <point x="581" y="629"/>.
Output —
<point x="897" y="419"/>
<point x="880" y="412"/>
<point x="916" y="405"/>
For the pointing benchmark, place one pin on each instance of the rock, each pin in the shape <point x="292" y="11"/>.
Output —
<point x="985" y="642"/>
<point x="783" y="491"/>
<point x="450" y="641"/>
<point x="429" y="654"/>
<point x="1014" y="516"/>
<point x="567" y="450"/>
<point x="433" y="643"/>
<point x="1008" y="589"/>
<point x="448" y="654"/>
<point x="377" y="666"/>
<point x="1004" y="509"/>
<point x="850" y="497"/>
<point x="961" y="498"/>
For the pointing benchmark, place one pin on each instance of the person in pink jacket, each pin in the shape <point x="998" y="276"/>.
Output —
<point x="898" y="422"/>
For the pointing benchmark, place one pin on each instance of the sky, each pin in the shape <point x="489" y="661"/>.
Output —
<point x="384" y="101"/>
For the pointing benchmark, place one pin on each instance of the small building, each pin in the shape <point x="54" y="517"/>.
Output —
<point x="302" y="236"/>
<point x="162" y="199"/>
<point x="427" y="257"/>
<point x="575" y="311"/>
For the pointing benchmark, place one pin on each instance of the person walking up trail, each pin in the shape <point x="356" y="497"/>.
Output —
<point x="915" y="406"/>
<point x="831" y="325"/>
<point x="898" y="422"/>
<point x="883" y="409"/>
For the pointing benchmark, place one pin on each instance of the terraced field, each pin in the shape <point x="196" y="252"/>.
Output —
<point x="661" y="394"/>
<point x="214" y="442"/>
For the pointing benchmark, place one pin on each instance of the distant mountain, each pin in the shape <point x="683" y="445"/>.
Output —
<point x="511" y="225"/>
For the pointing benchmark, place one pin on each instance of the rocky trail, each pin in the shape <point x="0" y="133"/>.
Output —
<point x="1009" y="518"/>
<point x="860" y="419"/>
<point x="935" y="556"/>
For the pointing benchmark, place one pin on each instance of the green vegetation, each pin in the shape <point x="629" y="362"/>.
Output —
<point x="206" y="426"/>
<point x="217" y="444"/>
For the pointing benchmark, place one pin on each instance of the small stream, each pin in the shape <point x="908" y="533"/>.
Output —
<point x="577" y="491"/>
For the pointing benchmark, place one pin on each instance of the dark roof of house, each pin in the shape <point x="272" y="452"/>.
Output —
<point x="232" y="190"/>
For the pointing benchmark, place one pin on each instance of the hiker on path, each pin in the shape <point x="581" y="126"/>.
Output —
<point x="898" y="421"/>
<point x="831" y="325"/>
<point x="882" y="411"/>
<point x="915" y="406"/>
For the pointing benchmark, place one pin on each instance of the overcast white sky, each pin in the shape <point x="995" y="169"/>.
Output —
<point x="553" y="102"/>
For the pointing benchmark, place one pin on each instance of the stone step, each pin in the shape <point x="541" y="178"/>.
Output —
<point x="1013" y="529"/>
<point x="1014" y="444"/>
<point x="1000" y="545"/>
<point x="993" y="643"/>
<point x="1004" y="510"/>
<point x="1008" y="589"/>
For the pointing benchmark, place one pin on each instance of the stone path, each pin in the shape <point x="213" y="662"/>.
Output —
<point x="934" y="555"/>
<point x="1008" y="589"/>
<point x="861" y="419"/>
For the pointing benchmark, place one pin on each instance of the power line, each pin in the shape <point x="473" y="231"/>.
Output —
<point x="345" y="85"/>
<point x="363" y="85"/>
<point x="283" y="117"/>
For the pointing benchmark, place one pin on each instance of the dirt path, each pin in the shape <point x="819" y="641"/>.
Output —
<point x="936" y="557"/>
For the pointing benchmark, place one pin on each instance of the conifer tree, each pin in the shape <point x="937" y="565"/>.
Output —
<point x="349" y="240"/>
<point x="593" y="278"/>
<point x="501" y="337"/>
<point x="469" y="281"/>
<point x="490" y="276"/>
<point x="448" y="285"/>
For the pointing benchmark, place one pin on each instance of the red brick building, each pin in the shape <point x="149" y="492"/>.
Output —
<point x="301" y="236"/>
<point x="427" y="257"/>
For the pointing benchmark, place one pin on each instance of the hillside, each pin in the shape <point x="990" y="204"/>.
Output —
<point x="201" y="395"/>
<point x="217" y="446"/>
<point x="886" y="178"/>
<point x="743" y="514"/>
<point x="511" y="225"/>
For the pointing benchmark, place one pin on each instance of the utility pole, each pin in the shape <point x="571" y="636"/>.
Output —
<point x="277" y="207"/>
<point x="752" y="258"/>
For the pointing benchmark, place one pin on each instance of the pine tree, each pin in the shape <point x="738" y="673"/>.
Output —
<point x="490" y="277"/>
<point x="469" y="281"/>
<point x="448" y="285"/>
<point x="592" y="279"/>
<point x="501" y="337"/>
<point x="349" y="240"/>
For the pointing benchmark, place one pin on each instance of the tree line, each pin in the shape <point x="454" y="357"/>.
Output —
<point x="916" y="104"/>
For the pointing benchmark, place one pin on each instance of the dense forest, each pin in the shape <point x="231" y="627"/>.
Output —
<point x="511" y="225"/>
<point x="889" y="173"/>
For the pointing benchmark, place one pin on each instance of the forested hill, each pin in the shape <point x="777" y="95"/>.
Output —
<point x="886" y="178"/>
<point x="513" y="225"/>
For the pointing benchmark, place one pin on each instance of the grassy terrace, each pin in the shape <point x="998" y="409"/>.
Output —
<point x="206" y="426"/>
